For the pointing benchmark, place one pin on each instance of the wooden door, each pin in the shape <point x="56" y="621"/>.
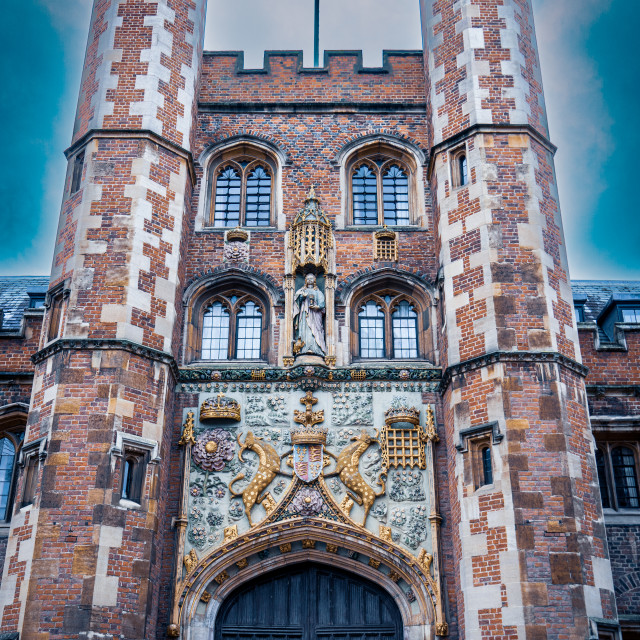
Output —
<point x="309" y="602"/>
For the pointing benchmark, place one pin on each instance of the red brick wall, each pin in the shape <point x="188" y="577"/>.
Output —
<point x="343" y="81"/>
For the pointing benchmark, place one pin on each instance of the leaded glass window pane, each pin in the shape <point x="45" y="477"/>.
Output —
<point x="631" y="315"/>
<point x="626" y="478"/>
<point x="7" y="460"/>
<point x="602" y="479"/>
<point x="258" y="205"/>
<point x="487" y="467"/>
<point x="227" y="204"/>
<point x="464" y="173"/>
<point x="249" y="332"/>
<point x="404" y="323"/>
<point x="215" y="333"/>
<point x="395" y="196"/>
<point x="365" y="196"/>
<point x="371" y="331"/>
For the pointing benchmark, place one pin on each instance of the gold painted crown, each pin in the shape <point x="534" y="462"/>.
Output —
<point x="220" y="408"/>
<point x="402" y="414"/>
<point x="237" y="235"/>
<point x="309" y="435"/>
<point x="385" y="234"/>
<point x="308" y="430"/>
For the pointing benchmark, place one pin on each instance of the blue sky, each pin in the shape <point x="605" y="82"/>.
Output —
<point x="590" y="69"/>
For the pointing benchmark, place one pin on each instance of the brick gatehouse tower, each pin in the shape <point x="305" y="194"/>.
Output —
<point x="307" y="364"/>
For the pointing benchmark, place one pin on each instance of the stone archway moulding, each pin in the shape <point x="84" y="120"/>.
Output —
<point x="273" y="545"/>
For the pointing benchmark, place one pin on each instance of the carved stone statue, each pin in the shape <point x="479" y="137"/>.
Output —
<point x="308" y="319"/>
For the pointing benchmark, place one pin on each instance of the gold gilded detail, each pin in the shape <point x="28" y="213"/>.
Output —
<point x="237" y="235"/>
<point x="173" y="631"/>
<point x="347" y="467"/>
<point x="330" y="361"/>
<point x="432" y="434"/>
<point x="258" y="374"/>
<point x="385" y="533"/>
<point x="442" y="629"/>
<point x="211" y="446"/>
<point x="242" y="564"/>
<point x="268" y="503"/>
<point x="221" y="577"/>
<point x="230" y="533"/>
<point x="288" y="361"/>
<point x="285" y="548"/>
<point x="358" y="374"/>
<point x="403" y="439"/>
<point x="220" y="408"/>
<point x="308" y="544"/>
<point x="308" y="432"/>
<point x="395" y="576"/>
<point x="374" y="563"/>
<point x="310" y="236"/>
<point x="187" y="431"/>
<point x="205" y="597"/>
<point x="332" y="548"/>
<point x="346" y="505"/>
<point x="268" y="468"/>
<point x="190" y="560"/>
<point x="386" y="245"/>
<point x="425" y="559"/>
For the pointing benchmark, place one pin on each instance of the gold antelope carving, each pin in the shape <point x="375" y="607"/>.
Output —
<point x="267" y="470"/>
<point x="347" y="468"/>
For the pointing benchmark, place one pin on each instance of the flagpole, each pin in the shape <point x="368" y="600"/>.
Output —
<point x="316" y="35"/>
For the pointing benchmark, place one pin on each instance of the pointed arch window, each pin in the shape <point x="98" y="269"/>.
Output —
<point x="395" y="194"/>
<point x="232" y="328"/>
<point x="10" y="443"/>
<point x="388" y="327"/>
<point x="625" y="477"/>
<point x="617" y="466"/>
<point x="242" y="193"/>
<point x="404" y="323"/>
<point x="380" y="194"/>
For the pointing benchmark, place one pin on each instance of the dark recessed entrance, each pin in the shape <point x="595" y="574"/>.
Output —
<point x="309" y="602"/>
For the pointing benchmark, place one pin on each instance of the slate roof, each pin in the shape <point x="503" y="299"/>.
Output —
<point x="596" y="293"/>
<point x="14" y="298"/>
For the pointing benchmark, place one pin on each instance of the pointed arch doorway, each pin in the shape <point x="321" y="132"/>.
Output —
<point x="309" y="601"/>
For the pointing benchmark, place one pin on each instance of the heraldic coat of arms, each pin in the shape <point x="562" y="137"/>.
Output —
<point x="308" y="441"/>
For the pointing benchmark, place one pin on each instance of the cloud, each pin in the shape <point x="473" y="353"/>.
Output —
<point x="255" y="26"/>
<point x="579" y="117"/>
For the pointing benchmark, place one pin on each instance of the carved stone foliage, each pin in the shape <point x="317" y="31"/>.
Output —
<point x="352" y="409"/>
<point x="406" y="485"/>
<point x="266" y="410"/>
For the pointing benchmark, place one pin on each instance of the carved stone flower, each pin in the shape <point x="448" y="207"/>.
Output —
<point x="213" y="449"/>
<point x="308" y="502"/>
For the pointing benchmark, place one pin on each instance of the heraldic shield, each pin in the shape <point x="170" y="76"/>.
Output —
<point x="308" y="461"/>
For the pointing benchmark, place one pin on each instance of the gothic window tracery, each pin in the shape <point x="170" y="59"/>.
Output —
<point x="617" y="466"/>
<point x="382" y="186"/>
<point x="10" y="443"/>
<point x="388" y="327"/>
<point x="232" y="328"/>
<point x="242" y="188"/>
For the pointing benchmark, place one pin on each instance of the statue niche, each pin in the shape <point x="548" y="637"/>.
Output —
<point x="310" y="287"/>
<point x="309" y="311"/>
